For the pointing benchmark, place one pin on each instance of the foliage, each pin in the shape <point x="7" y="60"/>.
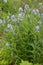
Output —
<point x="27" y="63"/>
<point x="21" y="32"/>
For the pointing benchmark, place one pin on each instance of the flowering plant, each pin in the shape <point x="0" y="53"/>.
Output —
<point x="21" y="32"/>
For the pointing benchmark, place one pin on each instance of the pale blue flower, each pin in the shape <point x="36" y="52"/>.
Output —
<point x="20" y="16"/>
<point x="40" y="22"/>
<point x="13" y="18"/>
<point x="26" y="7"/>
<point x="20" y="9"/>
<point x="9" y="26"/>
<point x="35" y="11"/>
<point x="37" y="28"/>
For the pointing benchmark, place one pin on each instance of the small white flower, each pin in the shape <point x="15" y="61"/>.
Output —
<point x="37" y="28"/>
<point x="20" y="9"/>
<point x="20" y="16"/>
<point x="1" y="20"/>
<point x="35" y="11"/>
<point x="5" y="1"/>
<point x="40" y="22"/>
<point x="10" y="26"/>
<point x="7" y="44"/>
<point x="26" y="7"/>
<point x="13" y="18"/>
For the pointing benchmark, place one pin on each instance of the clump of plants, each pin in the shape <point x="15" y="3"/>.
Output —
<point x="21" y="33"/>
